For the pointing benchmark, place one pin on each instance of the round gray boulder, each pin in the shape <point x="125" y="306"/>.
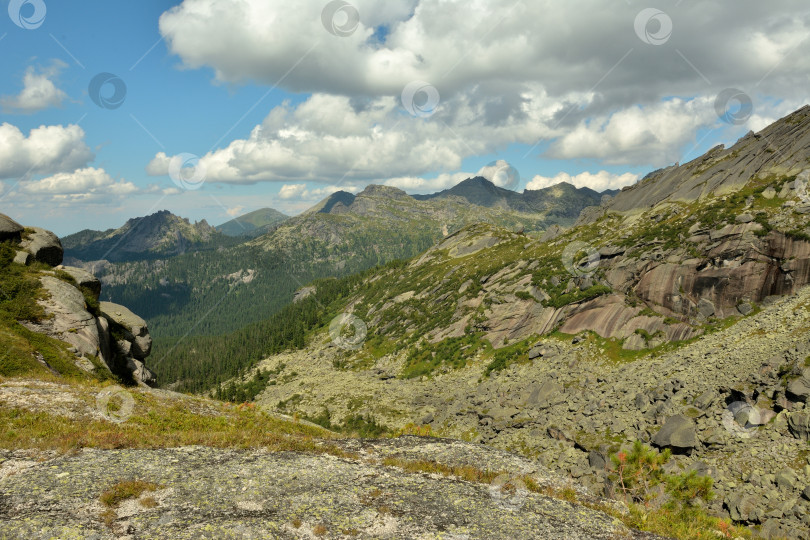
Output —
<point x="10" y="229"/>
<point x="44" y="246"/>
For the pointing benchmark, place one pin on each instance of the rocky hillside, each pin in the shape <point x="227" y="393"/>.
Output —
<point x="62" y="302"/>
<point x="158" y="235"/>
<point x="687" y="319"/>
<point x="253" y="224"/>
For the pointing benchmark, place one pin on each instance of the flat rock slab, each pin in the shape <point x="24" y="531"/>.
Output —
<point x="210" y="493"/>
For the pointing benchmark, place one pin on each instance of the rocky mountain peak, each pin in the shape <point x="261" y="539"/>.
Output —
<point x="375" y="190"/>
<point x="782" y="148"/>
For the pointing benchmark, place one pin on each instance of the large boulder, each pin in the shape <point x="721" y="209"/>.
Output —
<point x="83" y="279"/>
<point x="68" y="319"/>
<point x="799" y="389"/>
<point x="44" y="246"/>
<point x="135" y="329"/>
<point x="799" y="425"/>
<point x="10" y="229"/>
<point x="745" y="507"/>
<point x="677" y="433"/>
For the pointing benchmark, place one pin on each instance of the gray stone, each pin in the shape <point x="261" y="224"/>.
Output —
<point x="547" y="394"/>
<point x="786" y="480"/>
<point x="44" y="246"/>
<point x="135" y="328"/>
<point x="706" y="307"/>
<point x="745" y="308"/>
<point x="704" y="400"/>
<point x="678" y="433"/>
<point x="799" y="425"/>
<point x="806" y="493"/>
<point x="10" y="229"/>
<point x="597" y="461"/>
<point x="799" y="389"/>
<point x="641" y="401"/>
<point x="745" y="218"/>
<point x="742" y="507"/>
<point x="769" y="193"/>
<point x="83" y="279"/>
<point x="23" y="258"/>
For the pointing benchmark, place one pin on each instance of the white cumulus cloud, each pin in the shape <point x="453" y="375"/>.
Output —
<point x="46" y="150"/>
<point x="88" y="184"/>
<point x="39" y="91"/>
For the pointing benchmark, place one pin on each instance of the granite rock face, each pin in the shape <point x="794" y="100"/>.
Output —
<point x="211" y="493"/>
<point x="10" y="229"/>
<point x="70" y="317"/>
<point x="44" y="246"/>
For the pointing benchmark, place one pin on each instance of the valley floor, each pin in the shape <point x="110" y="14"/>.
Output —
<point x="582" y="399"/>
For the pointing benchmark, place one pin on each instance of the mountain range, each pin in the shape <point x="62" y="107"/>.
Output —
<point x="181" y="277"/>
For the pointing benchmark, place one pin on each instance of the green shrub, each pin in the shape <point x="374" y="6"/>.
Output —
<point x="636" y="473"/>
<point x="640" y="471"/>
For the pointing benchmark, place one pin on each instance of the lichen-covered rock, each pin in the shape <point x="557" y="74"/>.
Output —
<point x="210" y="493"/>
<point x="799" y="425"/>
<point x="44" y="246"/>
<point x="678" y="433"/>
<point x="799" y="389"/>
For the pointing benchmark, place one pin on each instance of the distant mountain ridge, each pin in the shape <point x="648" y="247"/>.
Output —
<point x="253" y="224"/>
<point x="561" y="199"/>
<point x="161" y="234"/>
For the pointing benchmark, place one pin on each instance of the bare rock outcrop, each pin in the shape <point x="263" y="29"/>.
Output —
<point x="44" y="246"/>
<point x="10" y="229"/>
<point x="213" y="493"/>
<point x="111" y="336"/>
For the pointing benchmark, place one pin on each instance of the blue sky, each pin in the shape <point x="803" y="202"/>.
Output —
<point x="282" y="109"/>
